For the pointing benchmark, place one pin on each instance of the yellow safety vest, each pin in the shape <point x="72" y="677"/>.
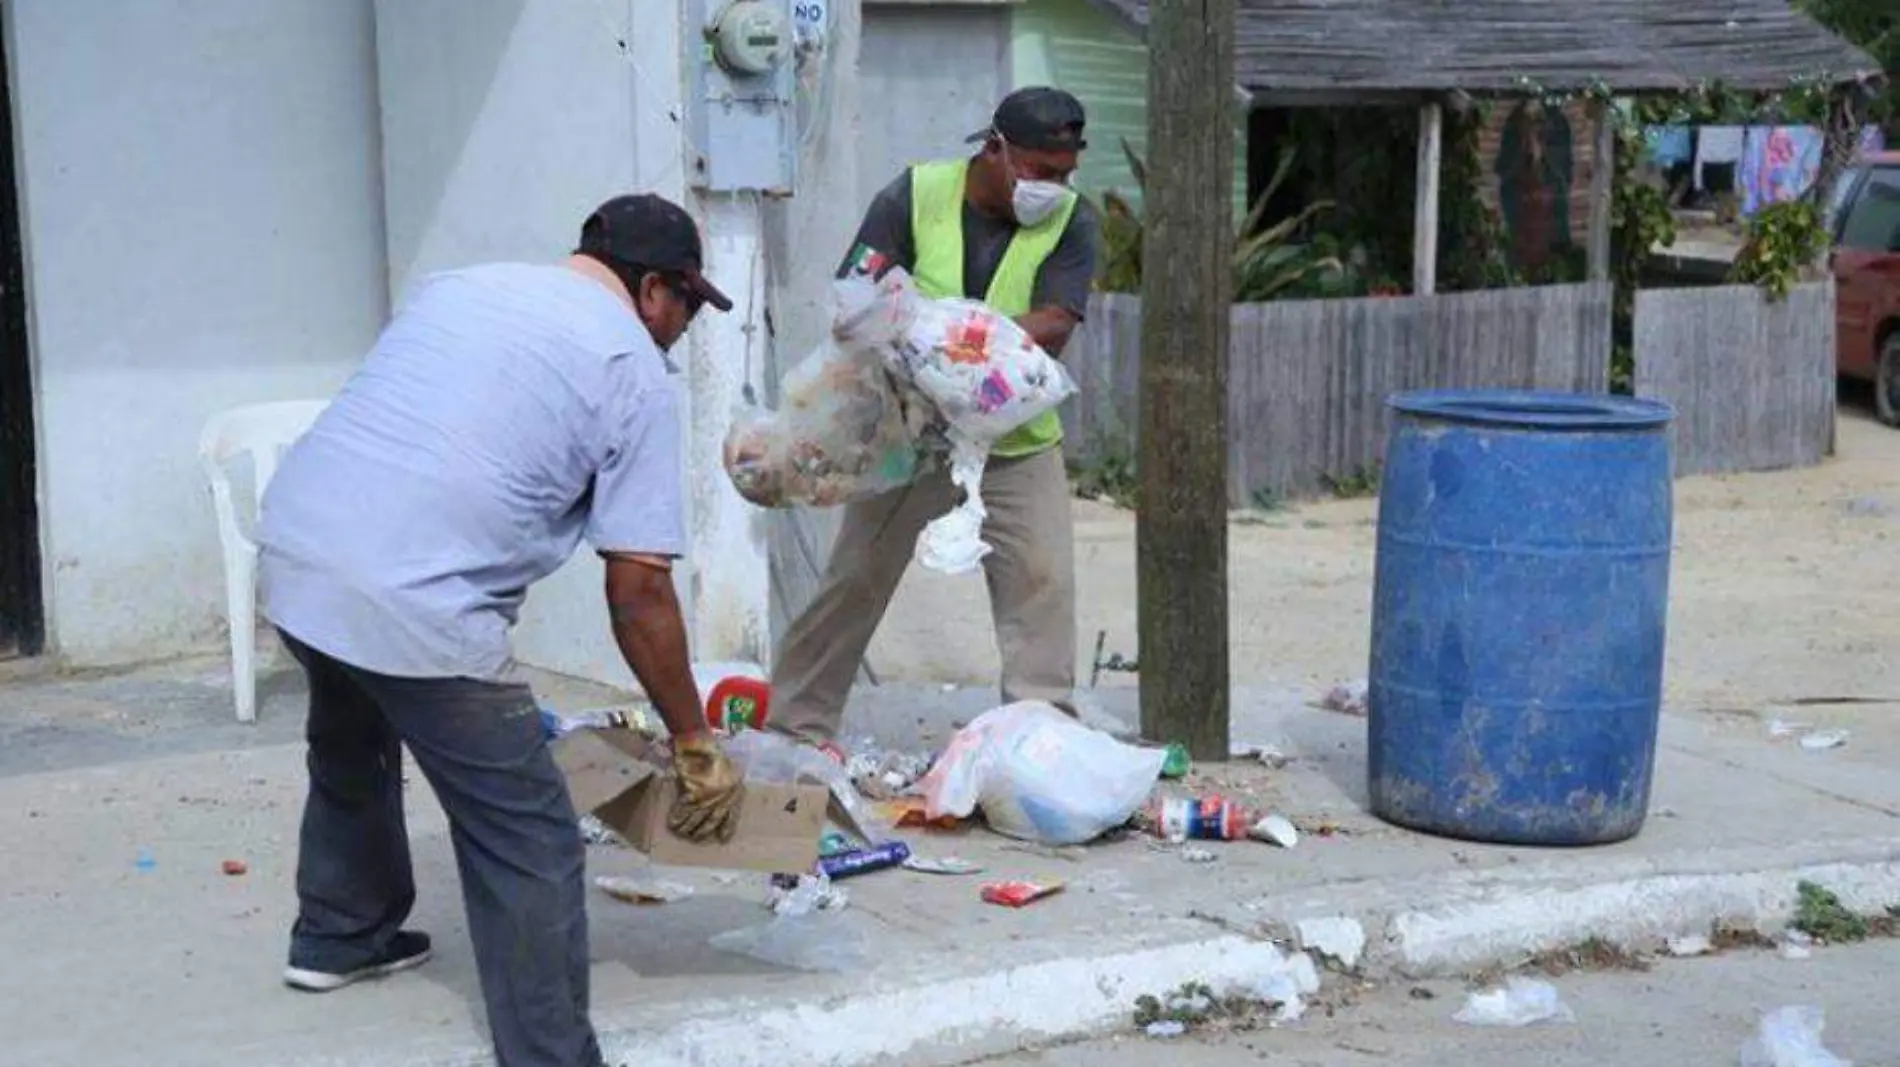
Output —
<point x="936" y="222"/>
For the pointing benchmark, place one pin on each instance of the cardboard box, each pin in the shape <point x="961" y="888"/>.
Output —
<point x="617" y="777"/>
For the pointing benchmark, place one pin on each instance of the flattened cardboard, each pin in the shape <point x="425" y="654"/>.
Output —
<point x="615" y="776"/>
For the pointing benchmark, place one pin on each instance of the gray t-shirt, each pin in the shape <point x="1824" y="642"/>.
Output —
<point x="1065" y="277"/>
<point x="507" y="412"/>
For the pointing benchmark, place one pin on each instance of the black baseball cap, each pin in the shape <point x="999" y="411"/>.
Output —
<point x="1038" y="118"/>
<point x="644" y="230"/>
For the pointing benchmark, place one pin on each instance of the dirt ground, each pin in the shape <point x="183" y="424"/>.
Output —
<point x="1783" y="588"/>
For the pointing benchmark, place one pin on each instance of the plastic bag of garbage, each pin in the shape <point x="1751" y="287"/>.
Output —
<point x="843" y="431"/>
<point x="819" y="941"/>
<point x="1790" y="1037"/>
<point x="1041" y="776"/>
<point x="1519" y="1002"/>
<point x="982" y="371"/>
<point x="764" y="756"/>
<point x="846" y="427"/>
<point x="985" y="377"/>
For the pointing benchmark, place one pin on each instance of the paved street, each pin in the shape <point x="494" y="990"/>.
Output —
<point x="1684" y="1013"/>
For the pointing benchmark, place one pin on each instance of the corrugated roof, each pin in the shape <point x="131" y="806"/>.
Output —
<point x="1492" y="46"/>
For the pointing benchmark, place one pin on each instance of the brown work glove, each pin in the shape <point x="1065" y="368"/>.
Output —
<point x="707" y="807"/>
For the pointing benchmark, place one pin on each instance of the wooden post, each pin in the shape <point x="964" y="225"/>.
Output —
<point x="1602" y="192"/>
<point x="1186" y="297"/>
<point x="1431" y="141"/>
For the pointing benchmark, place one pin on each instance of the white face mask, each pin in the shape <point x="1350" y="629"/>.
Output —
<point x="1034" y="201"/>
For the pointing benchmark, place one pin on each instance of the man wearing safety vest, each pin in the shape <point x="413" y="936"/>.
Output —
<point x="1002" y="227"/>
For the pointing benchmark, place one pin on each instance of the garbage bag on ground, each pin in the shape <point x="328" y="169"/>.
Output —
<point x="1041" y="776"/>
<point x="1790" y="1037"/>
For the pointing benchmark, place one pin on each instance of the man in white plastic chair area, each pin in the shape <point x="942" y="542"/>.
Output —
<point x="507" y="413"/>
<point x="1002" y="227"/>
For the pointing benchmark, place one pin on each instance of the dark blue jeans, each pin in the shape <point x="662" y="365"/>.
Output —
<point x="516" y="840"/>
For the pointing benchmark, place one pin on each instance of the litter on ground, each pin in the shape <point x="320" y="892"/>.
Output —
<point x="1519" y="1002"/>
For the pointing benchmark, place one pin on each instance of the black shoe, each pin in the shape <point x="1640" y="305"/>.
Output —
<point x="408" y="949"/>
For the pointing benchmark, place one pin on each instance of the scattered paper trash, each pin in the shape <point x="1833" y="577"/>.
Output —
<point x="1347" y="698"/>
<point x="817" y="942"/>
<point x="1166" y="1028"/>
<point x="1199" y="855"/>
<point x="1790" y="1037"/>
<point x="642" y="890"/>
<point x="1277" y="830"/>
<point x="234" y="868"/>
<point x="1041" y="776"/>
<point x="1785" y="728"/>
<point x="1824" y="739"/>
<point x="1688" y="945"/>
<point x="1018" y="894"/>
<point x="1519" y="1002"/>
<point x="952" y="865"/>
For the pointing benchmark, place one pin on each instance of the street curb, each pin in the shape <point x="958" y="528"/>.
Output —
<point x="1416" y="928"/>
<point x="1513" y="922"/>
<point x="947" y="1022"/>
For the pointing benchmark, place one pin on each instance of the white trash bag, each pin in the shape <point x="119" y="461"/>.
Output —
<point x="1040" y="776"/>
<point x="1790" y="1037"/>
<point x="985" y="377"/>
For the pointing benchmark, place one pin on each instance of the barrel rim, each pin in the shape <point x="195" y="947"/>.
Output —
<point x="1535" y="410"/>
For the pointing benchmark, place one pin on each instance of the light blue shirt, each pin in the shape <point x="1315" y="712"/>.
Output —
<point x="505" y="414"/>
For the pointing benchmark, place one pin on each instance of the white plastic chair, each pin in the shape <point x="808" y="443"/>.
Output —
<point x="263" y="432"/>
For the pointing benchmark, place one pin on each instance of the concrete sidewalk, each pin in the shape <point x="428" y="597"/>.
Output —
<point x="115" y="964"/>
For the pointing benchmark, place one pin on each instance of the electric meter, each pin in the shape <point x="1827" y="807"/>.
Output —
<point x="751" y="37"/>
<point x="741" y="96"/>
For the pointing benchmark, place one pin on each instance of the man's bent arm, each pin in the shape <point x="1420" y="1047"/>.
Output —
<point x="1050" y="327"/>
<point x="651" y="633"/>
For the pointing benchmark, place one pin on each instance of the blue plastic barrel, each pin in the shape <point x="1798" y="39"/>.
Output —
<point x="1519" y="605"/>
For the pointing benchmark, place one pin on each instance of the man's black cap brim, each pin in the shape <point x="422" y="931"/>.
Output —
<point x="706" y="290"/>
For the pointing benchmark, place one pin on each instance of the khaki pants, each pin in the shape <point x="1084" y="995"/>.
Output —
<point x="1031" y="577"/>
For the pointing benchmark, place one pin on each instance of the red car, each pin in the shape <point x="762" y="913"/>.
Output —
<point x="1866" y="264"/>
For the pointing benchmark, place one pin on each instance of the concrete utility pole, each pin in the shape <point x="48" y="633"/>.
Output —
<point x="1187" y="287"/>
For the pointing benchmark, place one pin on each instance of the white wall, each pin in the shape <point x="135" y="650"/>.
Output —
<point x="495" y="150"/>
<point x="203" y="229"/>
<point x="504" y="123"/>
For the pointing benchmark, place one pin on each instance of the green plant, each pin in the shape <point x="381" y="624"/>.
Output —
<point x="1362" y="481"/>
<point x="1820" y="914"/>
<point x="1471" y="248"/>
<point x="1111" y="477"/>
<point x="1267" y="263"/>
<point x="1640" y="220"/>
<point x="1875" y="26"/>
<point x="1786" y="242"/>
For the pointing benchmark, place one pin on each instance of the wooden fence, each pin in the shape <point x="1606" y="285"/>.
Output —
<point x="1308" y="380"/>
<point x="1752" y="381"/>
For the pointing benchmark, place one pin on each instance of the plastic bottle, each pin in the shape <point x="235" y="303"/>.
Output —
<point x="1208" y="818"/>
<point x="738" y="703"/>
